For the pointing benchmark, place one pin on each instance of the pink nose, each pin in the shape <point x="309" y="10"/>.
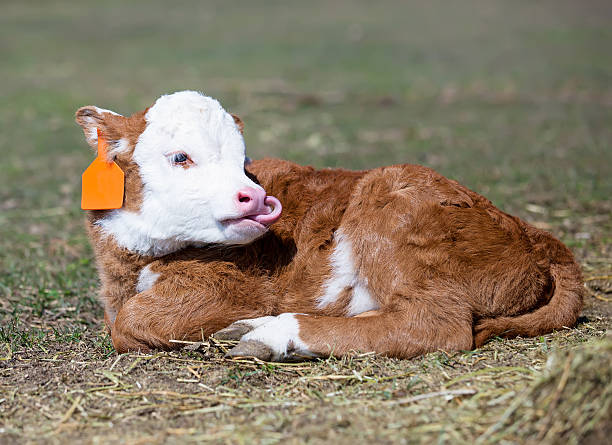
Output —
<point x="250" y="201"/>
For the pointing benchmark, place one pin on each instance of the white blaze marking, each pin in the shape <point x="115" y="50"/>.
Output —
<point x="146" y="279"/>
<point x="279" y="334"/>
<point x="345" y="276"/>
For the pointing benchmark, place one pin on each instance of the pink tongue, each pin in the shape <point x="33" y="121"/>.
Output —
<point x="273" y="216"/>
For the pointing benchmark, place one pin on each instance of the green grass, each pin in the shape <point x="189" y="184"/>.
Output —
<point x="513" y="99"/>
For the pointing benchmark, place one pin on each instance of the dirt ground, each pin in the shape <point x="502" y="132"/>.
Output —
<point x="67" y="392"/>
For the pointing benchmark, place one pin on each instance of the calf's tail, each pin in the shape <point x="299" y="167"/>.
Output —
<point x="561" y="311"/>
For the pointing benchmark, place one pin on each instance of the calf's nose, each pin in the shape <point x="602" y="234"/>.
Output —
<point x="250" y="201"/>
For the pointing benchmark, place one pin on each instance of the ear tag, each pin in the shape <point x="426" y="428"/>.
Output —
<point x="102" y="182"/>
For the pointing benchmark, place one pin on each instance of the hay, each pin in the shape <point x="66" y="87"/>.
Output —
<point x="569" y="403"/>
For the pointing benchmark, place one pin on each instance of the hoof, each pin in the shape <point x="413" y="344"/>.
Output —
<point x="235" y="331"/>
<point x="251" y="348"/>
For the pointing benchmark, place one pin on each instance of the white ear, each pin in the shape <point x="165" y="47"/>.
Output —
<point x="90" y="118"/>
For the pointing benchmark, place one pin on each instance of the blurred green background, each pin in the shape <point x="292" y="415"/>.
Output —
<point x="512" y="98"/>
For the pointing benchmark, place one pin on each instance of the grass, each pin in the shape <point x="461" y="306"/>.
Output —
<point x="514" y="99"/>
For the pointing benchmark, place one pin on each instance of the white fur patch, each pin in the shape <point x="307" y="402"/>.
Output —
<point x="361" y="301"/>
<point x="121" y="146"/>
<point x="146" y="279"/>
<point x="345" y="276"/>
<point x="131" y="232"/>
<point x="281" y="334"/>
<point x="255" y="322"/>
<point x="93" y="135"/>
<point x="104" y="110"/>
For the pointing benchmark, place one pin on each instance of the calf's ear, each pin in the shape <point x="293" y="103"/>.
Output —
<point x="239" y="123"/>
<point x="90" y="118"/>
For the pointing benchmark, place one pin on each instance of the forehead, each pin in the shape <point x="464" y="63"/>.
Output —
<point x="190" y="118"/>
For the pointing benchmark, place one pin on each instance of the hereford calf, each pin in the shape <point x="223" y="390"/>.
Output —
<point x="397" y="260"/>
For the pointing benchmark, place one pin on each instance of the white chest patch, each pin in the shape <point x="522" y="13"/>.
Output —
<point x="130" y="230"/>
<point x="345" y="276"/>
<point x="146" y="279"/>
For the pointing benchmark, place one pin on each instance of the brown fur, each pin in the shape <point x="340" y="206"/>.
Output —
<point x="447" y="268"/>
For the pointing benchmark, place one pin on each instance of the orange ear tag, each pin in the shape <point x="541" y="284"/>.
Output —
<point x="102" y="182"/>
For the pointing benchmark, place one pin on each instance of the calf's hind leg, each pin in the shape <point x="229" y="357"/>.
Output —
<point x="410" y="332"/>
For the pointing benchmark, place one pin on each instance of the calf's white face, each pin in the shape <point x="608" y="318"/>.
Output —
<point x="190" y="159"/>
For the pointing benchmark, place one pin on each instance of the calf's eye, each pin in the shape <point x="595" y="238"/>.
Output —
<point x="180" y="158"/>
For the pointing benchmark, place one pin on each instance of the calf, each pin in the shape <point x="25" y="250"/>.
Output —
<point x="397" y="260"/>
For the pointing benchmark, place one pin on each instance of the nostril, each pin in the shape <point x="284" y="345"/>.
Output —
<point x="247" y="196"/>
<point x="250" y="200"/>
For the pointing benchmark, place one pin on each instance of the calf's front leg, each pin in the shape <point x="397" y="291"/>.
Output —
<point x="402" y="334"/>
<point x="148" y="321"/>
